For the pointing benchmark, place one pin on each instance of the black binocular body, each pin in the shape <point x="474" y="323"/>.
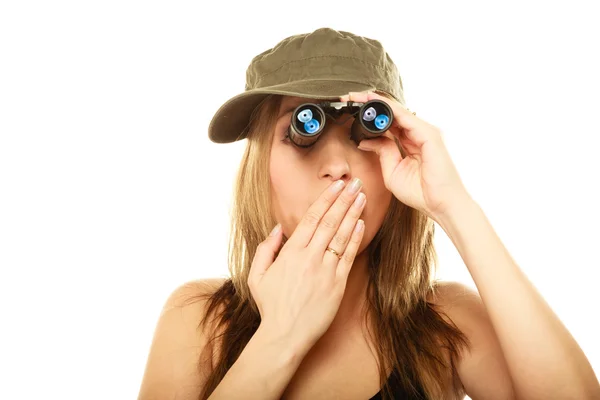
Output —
<point x="371" y="120"/>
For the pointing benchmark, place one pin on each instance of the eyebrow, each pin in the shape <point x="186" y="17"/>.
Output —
<point x="289" y="109"/>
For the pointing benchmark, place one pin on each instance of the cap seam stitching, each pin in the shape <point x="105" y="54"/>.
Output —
<point x="309" y="80"/>
<point x="310" y="58"/>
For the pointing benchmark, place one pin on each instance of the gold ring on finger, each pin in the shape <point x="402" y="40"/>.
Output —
<point x="339" y="256"/>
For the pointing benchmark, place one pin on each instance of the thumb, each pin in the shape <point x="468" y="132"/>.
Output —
<point x="265" y="254"/>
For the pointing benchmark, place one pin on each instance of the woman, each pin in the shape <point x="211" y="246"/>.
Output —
<point x="339" y="300"/>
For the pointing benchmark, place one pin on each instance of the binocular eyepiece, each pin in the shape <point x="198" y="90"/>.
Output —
<point x="371" y="120"/>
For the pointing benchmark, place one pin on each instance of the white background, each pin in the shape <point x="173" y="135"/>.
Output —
<point x="111" y="194"/>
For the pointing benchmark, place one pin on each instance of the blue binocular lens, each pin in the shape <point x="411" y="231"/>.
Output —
<point x="311" y="126"/>
<point x="381" y="121"/>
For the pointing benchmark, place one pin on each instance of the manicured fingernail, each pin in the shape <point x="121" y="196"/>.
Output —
<point x="337" y="186"/>
<point x="360" y="200"/>
<point x="275" y="230"/>
<point x="354" y="186"/>
<point x="359" y="226"/>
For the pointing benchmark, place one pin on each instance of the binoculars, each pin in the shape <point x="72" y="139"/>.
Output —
<point x="308" y="120"/>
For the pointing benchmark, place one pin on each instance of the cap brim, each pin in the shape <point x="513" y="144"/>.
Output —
<point x="231" y="120"/>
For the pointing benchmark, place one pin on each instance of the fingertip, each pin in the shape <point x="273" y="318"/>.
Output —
<point x="372" y="95"/>
<point x="360" y="225"/>
<point x="276" y="230"/>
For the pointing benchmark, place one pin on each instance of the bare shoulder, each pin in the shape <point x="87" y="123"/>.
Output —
<point x="174" y="368"/>
<point x="190" y="294"/>
<point x="482" y="369"/>
<point x="461" y="305"/>
<point x="456" y="299"/>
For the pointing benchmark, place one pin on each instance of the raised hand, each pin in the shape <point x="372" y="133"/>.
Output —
<point x="298" y="293"/>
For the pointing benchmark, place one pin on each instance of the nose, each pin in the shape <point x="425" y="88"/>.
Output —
<point x="334" y="150"/>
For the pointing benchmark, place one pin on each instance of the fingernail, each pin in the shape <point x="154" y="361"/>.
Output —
<point x="275" y="230"/>
<point x="360" y="200"/>
<point x="354" y="186"/>
<point x="359" y="226"/>
<point x="337" y="186"/>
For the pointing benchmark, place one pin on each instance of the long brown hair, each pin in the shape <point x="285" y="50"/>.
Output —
<point x="412" y="339"/>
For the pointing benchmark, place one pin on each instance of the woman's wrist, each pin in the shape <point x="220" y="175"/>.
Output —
<point x="289" y="347"/>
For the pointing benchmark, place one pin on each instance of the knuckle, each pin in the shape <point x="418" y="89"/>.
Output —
<point x="348" y="257"/>
<point x="330" y="198"/>
<point x="347" y="200"/>
<point x="312" y="218"/>
<point x="355" y="239"/>
<point x="355" y="212"/>
<point x="340" y="239"/>
<point x="329" y="222"/>
<point x="313" y="260"/>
